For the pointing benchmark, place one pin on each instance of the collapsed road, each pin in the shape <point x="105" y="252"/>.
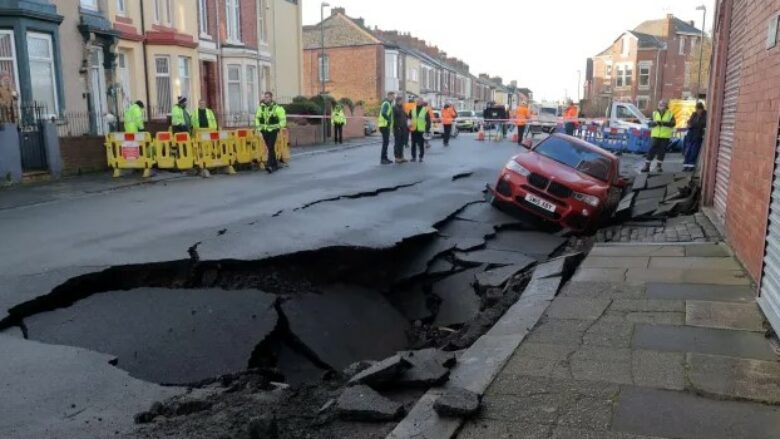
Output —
<point x="88" y="265"/>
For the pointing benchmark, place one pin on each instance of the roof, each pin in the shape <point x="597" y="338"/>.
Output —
<point x="647" y="40"/>
<point x="658" y="27"/>
<point x="340" y="31"/>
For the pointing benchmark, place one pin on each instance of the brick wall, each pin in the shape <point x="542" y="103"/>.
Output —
<point x="83" y="154"/>
<point x="249" y="23"/>
<point x="354" y="73"/>
<point x="753" y="155"/>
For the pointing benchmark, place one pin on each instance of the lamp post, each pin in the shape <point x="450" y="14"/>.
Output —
<point x="579" y="82"/>
<point x="701" y="46"/>
<point x="322" y="70"/>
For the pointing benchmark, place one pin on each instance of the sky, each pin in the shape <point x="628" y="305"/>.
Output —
<point x="540" y="43"/>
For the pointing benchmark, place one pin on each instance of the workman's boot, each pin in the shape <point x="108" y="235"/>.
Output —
<point x="646" y="168"/>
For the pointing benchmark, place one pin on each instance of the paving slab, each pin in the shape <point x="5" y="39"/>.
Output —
<point x="545" y="288"/>
<point x="534" y="359"/>
<point x="615" y="262"/>
<point x="645" y="206"/>
<point x="723" y="293"/>
<point x="422" y="421"/>
<point x="459" y="300"/>
<point x="345" y="325"/>
<point x="724" y="315"/>
<point x="703" y="340"/>
<point x="605" y="290"/>
<point x="659" y="181"/>
<point x="596" y="363"/>
<point x="640" y="182"/>
<point x="637" y="250"/>
<point x="466" y="229"/>
<point x="533" y="243"/>
<point x="494" y="257"/>
<point x="554" y="267"/>
<point x="662" y="370"/>
<point x="704" y="263"/>
<point x="626" y="202"/>
<point x="671" y="414"/>
<point x="600" y="275"/>
<point x="577" y="308"/>
<point x="162" y="335"/>
<point x="678" y="275"/>
<point x="498" y="276"/>
<point x="647" y="305"/>
<point x="493" y="429"/>
<point x="740" y="378"/>
<point x="708" y="251"/>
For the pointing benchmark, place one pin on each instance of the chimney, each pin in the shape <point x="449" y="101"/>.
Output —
<point x="669" y="16"/>
<point x="360" y="22"/>
<point x="691" y="23"/>
<point x="335" y="11"/>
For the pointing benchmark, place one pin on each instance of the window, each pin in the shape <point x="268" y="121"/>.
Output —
<point x="624" y="75"/>
<point x="168" y="12"/>
<point x="8" y="56"/>
<point x="576" y="156"/>
<point x="203" y="18"/>
<point x="642" y="102"/>
<point x="251" y="88"/>
<point x="41" y="55"/>
<point x="682" y="45"/>
<point x="184" y="76"/>
<point x="261" y="20"/>
<point x="234" y="87"/>
<point x="233" y="20"/>
<point x="644" y="76"/>
<point x="163" y="12"/>
<point x="91" y="5"/>
<point x="123" y="76"/>
<point x="162" y="79"/>
<point x="324" y="73"/>
<point x="120" y="7"/>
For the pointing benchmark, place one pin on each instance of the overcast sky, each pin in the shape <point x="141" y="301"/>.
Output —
<point x="540" y="43"/>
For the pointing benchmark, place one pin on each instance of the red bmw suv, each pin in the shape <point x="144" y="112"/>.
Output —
<point x="563" y="180"/>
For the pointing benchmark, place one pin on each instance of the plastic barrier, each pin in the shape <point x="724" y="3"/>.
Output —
<point x="638" y="140"/>
<point x="214" y="150"/>
<point x="614" y="139"/>
<point x="163" y="150"/>
<point x="130" y="151"/>
<point x="283" y="146"/>
<point x="243" y="150"/>
<point x="174" y="151"/>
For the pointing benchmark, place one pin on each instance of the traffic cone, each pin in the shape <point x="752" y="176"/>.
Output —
<point x="515" y="138"/>
<point x="481" y="134"/>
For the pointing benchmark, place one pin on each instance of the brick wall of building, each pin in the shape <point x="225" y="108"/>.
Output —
<point x="355" y="72"/>
<point x="249" y="23"/>
<point x="754" y="151"/>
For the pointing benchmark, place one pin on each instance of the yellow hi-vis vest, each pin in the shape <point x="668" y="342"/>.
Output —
<point x="385" y="118"/>
<point x="658" y="131"/>
<point x="418" y="119"/>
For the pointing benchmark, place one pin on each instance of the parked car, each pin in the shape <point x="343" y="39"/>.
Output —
<point x="468" y="120"/>
<point x="437" y="128"/>
<point x="369" y="127"/>
<point x="545" y="118"/>
<point x="562" y="180"/>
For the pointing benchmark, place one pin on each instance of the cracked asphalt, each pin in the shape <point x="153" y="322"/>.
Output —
<point x="341" y="198"/>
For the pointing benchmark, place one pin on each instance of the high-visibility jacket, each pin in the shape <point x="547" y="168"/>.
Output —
<point x="338" y="117"/>
<point x="664" y="128"/>
<point x="522" y="115"/>
<point x="409" y="106"/>
<point x="385" y="118"/>
<point x="270" y="117"/>
<point x="570" y="115"/>
<point x="210" y="119"/>
<point x="448" y="116"/>
<point x="134" y="119"/>
<point x="181" y="117"/>
<point x="419" y="119"/>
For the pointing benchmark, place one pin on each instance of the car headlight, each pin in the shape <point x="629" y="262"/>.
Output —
<point x="585" y="198"/>
<point x="517" y="168"/>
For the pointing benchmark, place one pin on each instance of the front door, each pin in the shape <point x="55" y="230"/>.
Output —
<point x="97" y="87"/>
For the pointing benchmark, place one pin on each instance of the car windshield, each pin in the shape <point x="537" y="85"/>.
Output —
<point x="465" y="114"/>
<point x="576" y="156"/>
<point x="548" y="110"/>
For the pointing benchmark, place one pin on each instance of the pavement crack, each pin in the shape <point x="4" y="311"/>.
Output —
<point x="364" y="194"/>
<point x="462" y="175"/>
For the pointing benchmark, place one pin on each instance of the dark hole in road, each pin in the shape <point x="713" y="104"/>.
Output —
<point x="304" y="314"/>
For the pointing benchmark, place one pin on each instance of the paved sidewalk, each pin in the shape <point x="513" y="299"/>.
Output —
<point x="646" y="341"/>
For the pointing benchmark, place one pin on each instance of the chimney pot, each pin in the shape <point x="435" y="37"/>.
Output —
<point x="335" y="11"/>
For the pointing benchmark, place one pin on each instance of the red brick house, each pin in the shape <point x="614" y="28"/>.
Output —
<point x="741" y="188"/>
<point x="644" y="65"/>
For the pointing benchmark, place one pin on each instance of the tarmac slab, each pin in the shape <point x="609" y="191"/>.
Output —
<point x="362" y="403"/>
<point x="487" y="214"/>
<point x="626" y="202"/>
<point x="345" y="325"/>
<point x="640" y="182"/>
<point x="645" y="207"/>
<point x="670" y="414"/>
<point x="703" y="340"/>
<point x="535" y="244"/>
<point x="494" y="257"/>
<point x="170" y="336"/>
<point x="650" y="194"/>
<point x="659" y="181"/>
<point x="724" y="315"/>
<point x="459" y="300"/>
<point x="727" y="293"/>
<point x="466" y="229"/>
<point x="412" y="302"/>
<point x="419" y="261"/>
<point x="498" y="276"/>
<point x="729" y="377"/>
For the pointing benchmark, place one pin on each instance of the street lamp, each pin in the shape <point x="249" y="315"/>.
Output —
<point x="703" y="10"/>
<point x="322" y="69"/>
<point x="579" y="81"/>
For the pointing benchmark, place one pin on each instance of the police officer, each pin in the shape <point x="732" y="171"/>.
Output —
<point x="338" y="119"/>
<point x="270" y="118"/>
<point x="385" y="123"/>
<point x="204" y="117"/>
<point x="181" y="121"/>
<point x="420" y="121"/>
<point x="662" y="125"/>
<point x="134" y="118"/>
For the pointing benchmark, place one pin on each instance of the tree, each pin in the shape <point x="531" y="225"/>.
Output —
<point x="693" y="61"/>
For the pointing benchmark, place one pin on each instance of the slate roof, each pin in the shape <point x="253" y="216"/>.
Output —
<point x="656" y="27"/>
<point x="647" y="40"/>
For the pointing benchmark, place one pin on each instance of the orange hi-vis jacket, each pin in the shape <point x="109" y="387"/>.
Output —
<point x="409" y="106"/>
<point x="570" y="115"/>
<point x="448" y="116"/>
<point x="522" y="115"/>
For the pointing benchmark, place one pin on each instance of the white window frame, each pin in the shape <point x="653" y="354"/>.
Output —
<point x="14" y="65"/>
<point x="323" y="68"/>
<point x="262" y="21"/>
<point x="89" y="5"/>
<point x="647" y="102"/>
<point x="624" y="75"/>
<point x="641" y="66"/>
<point x="157" y="75"/>
<point x="163" y="12"/>
<point x="681" y="45"/>
<point x="121" y="8"/>
<point x="48" y="39"/>
<point x="233" y="21"/>
<point x="185" y="76"/>
<point x="203" y="19"/>
<point x="239" y="82"/>
<point x="169" y="12"/>
<point x="123" y="76"/>
<point x="251" y="90"/>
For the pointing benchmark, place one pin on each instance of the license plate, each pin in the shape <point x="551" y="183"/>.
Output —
<point x="536" y="201"/>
